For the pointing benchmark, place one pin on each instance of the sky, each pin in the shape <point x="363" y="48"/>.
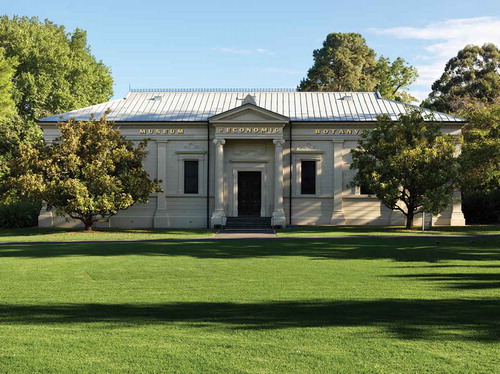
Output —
<point x="261" y="44"/>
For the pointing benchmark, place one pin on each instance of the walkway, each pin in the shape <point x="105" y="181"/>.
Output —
<point x="245" y="234"/>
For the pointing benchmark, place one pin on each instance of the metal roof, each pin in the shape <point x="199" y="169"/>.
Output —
<point x="160" y="105"/>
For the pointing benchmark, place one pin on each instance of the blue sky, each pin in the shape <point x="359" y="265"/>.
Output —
<point x="242" y="44"/>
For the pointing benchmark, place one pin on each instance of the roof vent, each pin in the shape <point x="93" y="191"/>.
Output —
<point x="249" y="99"/>
<point x="347" y="97"/>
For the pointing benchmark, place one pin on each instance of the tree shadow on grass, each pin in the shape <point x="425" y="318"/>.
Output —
<point x="465" y="281"/>
<point x="405" y="319"/>
<point x="396" y="249"/>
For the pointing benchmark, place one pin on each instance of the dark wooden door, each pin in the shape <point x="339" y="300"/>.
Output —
<point x="249" y="193"/>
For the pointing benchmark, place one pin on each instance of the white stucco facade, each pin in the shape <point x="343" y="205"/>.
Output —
<point x="249" y="161"/>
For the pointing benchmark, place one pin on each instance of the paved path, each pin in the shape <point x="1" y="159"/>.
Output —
<point x="263" y="234"/>
<point x="245" y="234"/>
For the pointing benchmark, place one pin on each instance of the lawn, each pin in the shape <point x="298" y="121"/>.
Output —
<point x="42" y="234"/>
<point x="344" y="305"/>
<point x="320" y="231"/>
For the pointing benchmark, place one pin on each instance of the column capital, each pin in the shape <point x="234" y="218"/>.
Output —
<point x="218" y="141"/>
<point x="278" y="142"/>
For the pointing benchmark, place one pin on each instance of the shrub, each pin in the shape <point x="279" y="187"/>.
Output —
<point x="19" y="214"/>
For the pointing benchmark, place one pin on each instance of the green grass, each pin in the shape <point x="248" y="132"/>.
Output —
<point x="39" y="234"/>
<point x="347" y="305"/>
<point x="312" y="231"/>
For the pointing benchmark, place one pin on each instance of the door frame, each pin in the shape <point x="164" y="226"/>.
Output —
<point x="263" y="173"/>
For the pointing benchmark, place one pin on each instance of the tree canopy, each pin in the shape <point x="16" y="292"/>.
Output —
<point x="346" y="63"/>
<point x="408" y="164"/>
<point x="89" y="173"/>
<point x="54" y="70"/>
<point x="472" y="76"/>
<point x="7" y="106"/>
<point x="480" y="156"/>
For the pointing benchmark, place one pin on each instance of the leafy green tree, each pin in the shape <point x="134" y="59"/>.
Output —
<point x="346" y="63"/>
<point x="7" y="107"/>
<point x="480" y="156"/>
<point x="13" y="131"/>
<point x="472" y="76"/>
<point x="408" y="164"/>
<point x="54" y="70"/>
<point x="89" y="173"/>
<point x="394" y="78"/>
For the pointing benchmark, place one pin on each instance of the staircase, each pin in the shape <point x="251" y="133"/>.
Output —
<point x="248" y="223"/>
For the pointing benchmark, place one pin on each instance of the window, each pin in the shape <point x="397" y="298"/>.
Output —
<point x="191" y="176"/>
<point x="364" y="190"/>
<point x="308" y="177"/>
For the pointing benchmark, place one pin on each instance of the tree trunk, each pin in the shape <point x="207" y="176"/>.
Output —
<point x="88" y="224"/>
<point x="409" y="220"/>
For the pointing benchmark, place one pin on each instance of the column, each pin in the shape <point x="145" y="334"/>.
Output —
<point x="457" y="217"/>
<point x="338" y="211"/>
<point x="218" y="215"/>
<point x="278" y="218"/>
<point x="161" y="216"/>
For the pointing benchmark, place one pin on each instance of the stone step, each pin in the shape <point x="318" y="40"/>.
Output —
<point x="248" y="222"/>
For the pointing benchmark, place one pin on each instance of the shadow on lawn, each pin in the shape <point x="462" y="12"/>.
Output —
<point x="397" y="249"/>
<point x="405" y="319"/>
<point x="465" y="281"/>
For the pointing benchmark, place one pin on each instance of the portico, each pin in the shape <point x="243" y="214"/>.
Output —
<point x="255" y="140"/>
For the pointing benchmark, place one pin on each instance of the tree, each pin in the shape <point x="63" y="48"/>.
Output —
<point x="7" y="107"/>
<point x="472" y="76"/>
<point x="54" y="70"/>
<point x="408" y="164"/>
<point x="346" y="63"/>
<point x="89" y="173"/>
<point x="343" y="64"/>
<point x="13" y="131"/>
<point x="480" y="156"/>
<point x="393" y="79"/>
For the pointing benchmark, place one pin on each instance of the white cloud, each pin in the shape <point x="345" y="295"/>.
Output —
<point x="283" y="71"/>
<point x="451" y="35"/>
<point x="443" y="40"/>
<point x="242" y="51"/>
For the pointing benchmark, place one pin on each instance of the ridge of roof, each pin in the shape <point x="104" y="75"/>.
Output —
<point x="213" y="90"/>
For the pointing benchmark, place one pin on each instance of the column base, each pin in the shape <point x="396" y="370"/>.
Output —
<point x="338" y="218"/>
<point x="218" y="219"/>
<point x="278" y="219"/>
<point x="161" y="219"/>
<point x="457" y="219"/>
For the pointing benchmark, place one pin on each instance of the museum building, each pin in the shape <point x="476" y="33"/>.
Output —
<point x="273" y="155"/>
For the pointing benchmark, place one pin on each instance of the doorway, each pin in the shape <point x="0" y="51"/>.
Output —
<point x="249" y="193"/>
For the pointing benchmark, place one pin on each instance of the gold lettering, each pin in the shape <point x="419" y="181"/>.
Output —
<point x="255" y="129"/>
<point x="349" y="131"/>
<point x="150" y="131"/>
<point x="317" y="131"/>
<point x="158" y="131"/>
<point x="341" y="131"/>
<point x="356" y="131"/>
<point x="228" y="130"/>
<point x="334" y="131"/>
<point x="180" y="131"/>
<point x="234" y="130"/>
<point x="242" y="129"/>
<point x="142" y="131"/>
<point x="325" y="131"/>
